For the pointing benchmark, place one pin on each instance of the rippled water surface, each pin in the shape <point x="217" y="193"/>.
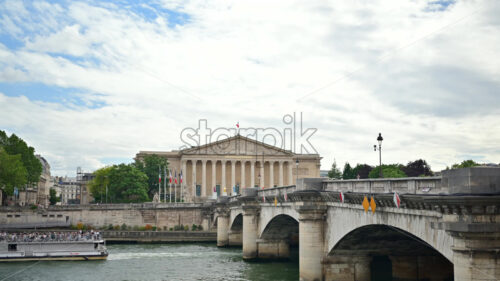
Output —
<point x="156" y="262"/>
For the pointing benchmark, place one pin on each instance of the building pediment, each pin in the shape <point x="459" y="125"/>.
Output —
<point x="237" y="145"/>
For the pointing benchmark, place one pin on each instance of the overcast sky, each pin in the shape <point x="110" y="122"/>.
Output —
<point x="89" y="83"/>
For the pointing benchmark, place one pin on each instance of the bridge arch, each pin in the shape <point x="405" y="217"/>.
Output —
<point x="342" y="221"/>
<point x="281" y="227"/>
<point x="386" y="253"/>
<point x="267" y="214"/>
<point x="237" y="223"/>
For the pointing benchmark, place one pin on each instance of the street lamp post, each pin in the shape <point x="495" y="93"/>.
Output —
<point x="379" y="139"/>
<point x="297" y="171"/>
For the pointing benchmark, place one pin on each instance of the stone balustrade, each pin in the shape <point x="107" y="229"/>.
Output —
<point x="417" y="185"/>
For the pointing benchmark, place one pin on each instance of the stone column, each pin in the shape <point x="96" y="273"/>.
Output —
<point x="243" y="183"/>
<point x="280" y="180"/>
<point x="252" y="174"/>
<point x="193" y="174"/>
<point x="290" y="171"/>
<point x="233" y="175"/>
<point x="311" y="241"/>
<point x="203" y="178"/>
<point x="261" y="182"/>
<point x="184" y="176"/>
<point x="271" y="173"/>
<point x="222" y="227"/>
<point x="223" y="181"/>
<point x="214" y="175"/>
<point x="250" y="225"/>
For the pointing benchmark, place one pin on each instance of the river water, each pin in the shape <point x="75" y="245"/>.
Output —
<point x="157" y="262"/>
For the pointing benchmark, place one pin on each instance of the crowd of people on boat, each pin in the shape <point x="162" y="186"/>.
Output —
<point x="54" y="236"/>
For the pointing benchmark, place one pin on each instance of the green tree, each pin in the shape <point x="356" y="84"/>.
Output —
<point x="12" y="172"/>
<point x="465" y="164"/>
<point x="98" y="185"/>
<point x="417" y="168"/>
<point x="53" y="199"/>
<point x="388" y="171"/>
<point x="334" y="172"/>
<point x="151" y="166"/>
<point x="127" y="184"/>
<point x="14" y="145"/>
<point x="348" y="172"/>
<point x="362" y="170"/>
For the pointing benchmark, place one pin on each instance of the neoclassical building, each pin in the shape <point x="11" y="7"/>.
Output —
<point x="234" y="163"/>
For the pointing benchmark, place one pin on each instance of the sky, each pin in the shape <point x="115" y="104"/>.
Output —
<point x="91" y="83"/>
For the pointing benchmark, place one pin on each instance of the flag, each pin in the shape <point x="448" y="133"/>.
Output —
<point x="175" y="177"/>
<point x="397" y="200"/>
<point x="286" y="197"/>
<point x="238" y="124"/>
<point x="181" y="176"/>
<point x="341" y="195"/>
<point x="170" y="176"/>
<point x="159" y="177"/>
<point x="275" y="201"/>
<point x="263" y="198"/>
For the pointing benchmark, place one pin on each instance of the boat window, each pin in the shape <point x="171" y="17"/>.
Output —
<point x="12" y="247"/>
<point x="95" y="245"/>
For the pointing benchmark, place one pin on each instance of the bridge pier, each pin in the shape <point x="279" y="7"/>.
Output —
<point x="347" y="268"/>
<point x="273" y="249"/>
<point x="222" y="213"/>
<point x="235" y="238"/>
<point x="250" y="226"/>
<point x="311" y="224"/>
<point x="223" y="230"/>
<point x="477" y="257"/>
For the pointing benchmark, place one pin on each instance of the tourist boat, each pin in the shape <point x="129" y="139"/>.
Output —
<point x="53" y="250"/>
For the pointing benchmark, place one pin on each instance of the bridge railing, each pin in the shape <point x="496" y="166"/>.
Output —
<point x="276" y="191"/>
<point x="415" y="185"/>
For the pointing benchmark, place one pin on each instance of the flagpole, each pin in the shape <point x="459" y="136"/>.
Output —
<point x="159" y="183"/>
<point x="164" y="184"/>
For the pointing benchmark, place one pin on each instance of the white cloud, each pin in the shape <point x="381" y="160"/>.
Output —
<point x="376" y="66"/>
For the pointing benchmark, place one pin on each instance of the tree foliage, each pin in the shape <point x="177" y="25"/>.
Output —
<point x="127" y="184"/>
<point x="348" y="172"/>
<point x="14" y="145"/>
<point x="388" y="171"/>
<point x="334" y="172"/>
<point x="151" y="165"/>
<point x="417" y="168"/>
<point x="465" y="164"/>
<point x="12" y="172"/>
<point x="98" y="184"/>
<point x="53" y="199"/>
<point x="362" y="170"/>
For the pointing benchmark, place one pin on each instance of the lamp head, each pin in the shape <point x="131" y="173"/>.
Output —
<point x="380" y="139"/>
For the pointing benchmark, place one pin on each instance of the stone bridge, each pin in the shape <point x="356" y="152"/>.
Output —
<point x="446" y="227"/>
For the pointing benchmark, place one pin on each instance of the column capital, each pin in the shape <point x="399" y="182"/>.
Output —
<point x="204" y="161"/>
<point x="311" y="212"/>
<point x="250" y="210"/>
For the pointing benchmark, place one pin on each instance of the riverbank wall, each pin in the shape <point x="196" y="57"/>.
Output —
<point x="162" y="216"/>
<point x="159" y="236"/>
